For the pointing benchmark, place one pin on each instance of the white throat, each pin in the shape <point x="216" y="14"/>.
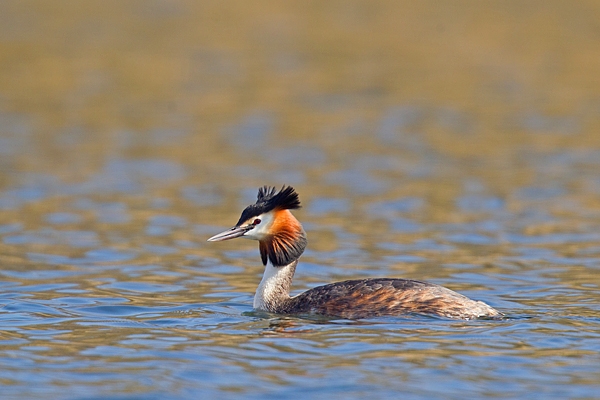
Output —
<point x="274" y="288"/>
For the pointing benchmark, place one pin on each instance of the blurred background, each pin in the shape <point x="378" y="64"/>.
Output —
<point x="457" y="142"/>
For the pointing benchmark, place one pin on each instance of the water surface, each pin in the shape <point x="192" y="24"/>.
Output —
<point x="451" y="143"/>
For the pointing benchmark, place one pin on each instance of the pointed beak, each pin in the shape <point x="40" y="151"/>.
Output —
<point x="232" y="233"/>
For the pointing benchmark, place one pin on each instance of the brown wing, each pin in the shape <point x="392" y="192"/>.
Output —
<point x="375" y="297"/>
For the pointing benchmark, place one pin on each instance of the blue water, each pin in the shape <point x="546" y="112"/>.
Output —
<point x="114" y="293"/>
<point x="422" y="147"/>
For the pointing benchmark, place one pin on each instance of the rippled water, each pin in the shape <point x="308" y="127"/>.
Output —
<point x="434" y="142"/>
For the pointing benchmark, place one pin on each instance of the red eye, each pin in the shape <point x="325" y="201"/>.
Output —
<point x="256" y="221"/>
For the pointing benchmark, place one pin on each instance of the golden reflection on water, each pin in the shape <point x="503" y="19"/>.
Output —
<point x="454" y="142"/>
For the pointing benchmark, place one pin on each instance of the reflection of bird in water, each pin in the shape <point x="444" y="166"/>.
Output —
<point x="282" y="240"/>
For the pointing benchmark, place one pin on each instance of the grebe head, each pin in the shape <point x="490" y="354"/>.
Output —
<point x="281" y="237"/>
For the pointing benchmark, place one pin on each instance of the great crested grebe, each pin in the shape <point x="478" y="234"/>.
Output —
<point x="282" y="240"/>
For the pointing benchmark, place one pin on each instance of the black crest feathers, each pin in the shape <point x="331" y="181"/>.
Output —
<point x="269" y="199"/>
<point x="286" y="199"/>
<point x="265" y="193"/>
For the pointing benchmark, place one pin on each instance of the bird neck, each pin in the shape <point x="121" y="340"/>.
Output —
<point x="279" y="252"/>
<point x="286" y="242"/>
<point x="274" y="288"/>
